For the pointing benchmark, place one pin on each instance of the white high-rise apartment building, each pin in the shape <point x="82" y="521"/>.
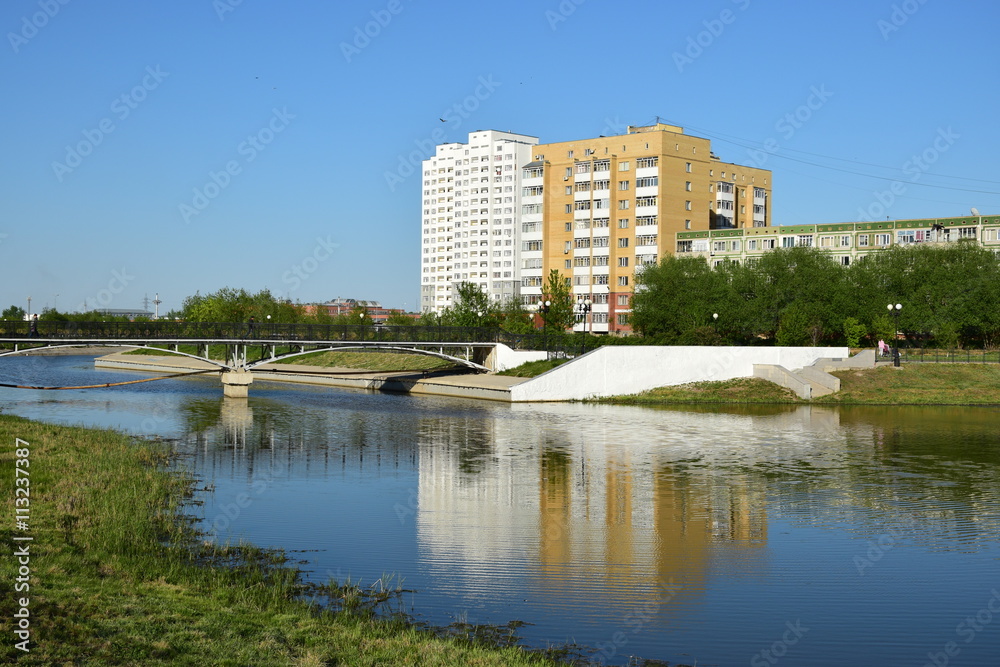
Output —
<point x="471" y="223"/>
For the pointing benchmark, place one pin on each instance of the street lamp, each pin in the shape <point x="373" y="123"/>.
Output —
<point x="894" y="310"/>
<point x="29" y="307"/>
<point x="715" y="321"/>
<point x="543" y="308"/>
<point x="585" y="309"/>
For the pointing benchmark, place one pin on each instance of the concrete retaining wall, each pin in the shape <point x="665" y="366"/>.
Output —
<point x="783" y="377"/>
<point x="629" y="369"/>
<point x="502" y="358"/>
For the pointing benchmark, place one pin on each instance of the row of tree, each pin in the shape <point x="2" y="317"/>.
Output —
<point x="950" y="297"/>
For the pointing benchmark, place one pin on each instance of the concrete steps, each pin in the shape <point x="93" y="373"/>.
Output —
<point x="814" y="380"/>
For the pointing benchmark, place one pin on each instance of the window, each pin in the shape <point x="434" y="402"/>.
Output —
<point x="623" y="223"/>
<point x="623" y="299"/>
<point x="569" y="208"/>
<point x="624" y="166"/>
<point x="581" y="261"/>
<point x="645" y="201"/>
<point x="569" y="190"/>
<point x="567" y="246"/>
<point x="601" y="260"/>
<point x="568" y="264"/>
<point x="600" y="280"/>
<point x="645" y="239"/>
<point x="687" y="167"/>
<point x="624" y="204"/>
<point x="685" y="246"/>
<point x="787" y="241"/>
<point x="569" y="154"/>
<point x="582" y="186"/>
<point x="581" y="243"/>
<point x="531" y="245"/>
<point x="583" y="167"/>
<point x="582" y="205"/>
<point x="602" y="165"/>
<point x="845" y="241"/>
<point x="882" y="239"/>
<point x="647" y="162"/>
<point x="623" y="243"/>
<point x="532" y="208"/>
<point x="602" y="185"/>
<point x="687" y="224"/>
<point x="718" y="246"/>
<point x="623" y="281"/>
<point x="623" y="261"/>
<point x="767" y="244"/>
<point x="645" y="220"/>
<point x="601" y="241"/>
<point x="623" y="185"/>
<point x="863" y="240"/>
<point x="687" y="186"/>
<point x="602" y="203"/>
<point x="532" y="263"/>
<point x="601" y="222"/>
<point x="647" y="182"/>
<point x="687" y="206"/>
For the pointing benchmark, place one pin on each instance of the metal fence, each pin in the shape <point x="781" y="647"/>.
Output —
<point x="947" y="356"/>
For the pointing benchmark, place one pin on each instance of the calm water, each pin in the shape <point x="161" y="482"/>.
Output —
<point x="708" y="537"/>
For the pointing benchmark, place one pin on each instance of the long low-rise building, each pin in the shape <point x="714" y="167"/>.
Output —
<point x="845" y="241"/>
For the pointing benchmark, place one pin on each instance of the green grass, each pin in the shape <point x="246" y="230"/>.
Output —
<point x="737" y="390"/>
<point x="119" y="575"/>
<point x="374" y="361"/>
<point x="530" y="369"/>
<point x="919" y="384"/>
<point x="911" y="384"/>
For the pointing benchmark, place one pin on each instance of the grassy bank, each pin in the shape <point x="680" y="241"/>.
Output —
<point x="119" y="576"/>
<point x="911" y="384"/>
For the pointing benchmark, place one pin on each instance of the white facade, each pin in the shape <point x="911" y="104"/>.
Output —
<point x="471" y="222"/>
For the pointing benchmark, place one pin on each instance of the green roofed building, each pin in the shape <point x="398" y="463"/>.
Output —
<point x="846" y="241"/>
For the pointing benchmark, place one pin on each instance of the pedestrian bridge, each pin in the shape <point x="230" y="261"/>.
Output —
<point x="249" y="345"/>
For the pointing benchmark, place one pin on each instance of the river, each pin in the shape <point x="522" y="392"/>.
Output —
<point x="720" y="536"/>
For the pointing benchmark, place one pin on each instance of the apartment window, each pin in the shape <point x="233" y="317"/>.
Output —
<point x="623" y="261"/>
<point x="767" y="244"/>
<point x="687" y="206"/>
<point x="623" y="223"/>
<point x="647" y="182"/>
<point x="624" y="166"/>
<point x="583" y="167"/>
<point x="623" y="299"/>
<point x="806" y="240"/>
<point x="569" y="190"/>
<point x="687" y="224"/>
<point x="623" y="281"/>
<point x="601" y="260"/>
<point x="600" y="280"/>
<point x="645" y="239"/>
<point x="581" y="205"/>
<point x="531" y="245"/>
<point x="752" y="244"/>
<point x="569" y="226"/>
<point x="569" y="208"/>
<point x="569" y="154"/>
<point x="582" y="186"/>
<point x="581" y="261"/>
<point x="623" y="185"/>
<point x="568" y="264"/>
<point x="623" y="243"/>
<point x="645" y="201"/>
<point x="787" y="241"/>
<point x="687" y="186"/>
<point x="601" y="241"/>
<point x="644" y="162"/>
<point x="624" y="204"/>
<point x="602" y="165"/>
<point x="882" y="239"/>
<point x="863" y="240"/>
<point x="602" y="185"/>
<point x="845" y="241"/>
<point x="567" y="246"/>
<point x="602" y="203"/>
<point x="687" y="167"/>
<point x="645" y="220"/>
<point x="581" y="243"/>
<point x="601" y="222"/>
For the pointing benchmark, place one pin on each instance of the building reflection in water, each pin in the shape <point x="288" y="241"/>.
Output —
<point x="625" y="510"/>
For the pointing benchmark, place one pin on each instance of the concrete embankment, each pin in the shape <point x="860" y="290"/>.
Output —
<point x="488" y="387"/>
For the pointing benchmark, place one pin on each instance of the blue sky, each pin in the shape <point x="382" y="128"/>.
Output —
<point x="174" y="147"/>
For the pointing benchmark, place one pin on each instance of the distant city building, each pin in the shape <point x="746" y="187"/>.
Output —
<point x="124" y="312"/>
<point x="372" y="309"/>
<point x="845" y="241"/>
<point x="470" y="224"/>
<point x="597" y="210"/>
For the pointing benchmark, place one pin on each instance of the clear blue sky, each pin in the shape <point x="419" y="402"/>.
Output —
<point x="300" y="120"/>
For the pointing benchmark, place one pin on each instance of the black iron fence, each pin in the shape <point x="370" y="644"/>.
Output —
<point x="947" y="356"/>
<point x="292" y="333"/>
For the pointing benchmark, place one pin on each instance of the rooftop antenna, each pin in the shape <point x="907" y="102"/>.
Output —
<point x="975" y="211"/>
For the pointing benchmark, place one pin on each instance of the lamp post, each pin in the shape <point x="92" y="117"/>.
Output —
<point x="543" y="308"/>
<point x="585" y="309"/>
<point x="715" y="321"/>
<point x="270" y="330"/>
<point x="29" y="307"/>
<point x="894" y="310"/>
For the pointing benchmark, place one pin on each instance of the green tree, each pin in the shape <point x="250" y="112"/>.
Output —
<point x="559" y="315"/>
<point x="677" y="296"/>
<point x="13" y="313"/>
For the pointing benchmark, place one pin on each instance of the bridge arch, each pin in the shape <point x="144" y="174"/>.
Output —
<point x="220" y="364"/>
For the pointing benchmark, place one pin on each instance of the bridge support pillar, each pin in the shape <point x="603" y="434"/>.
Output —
<point x="236" y="384"/>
